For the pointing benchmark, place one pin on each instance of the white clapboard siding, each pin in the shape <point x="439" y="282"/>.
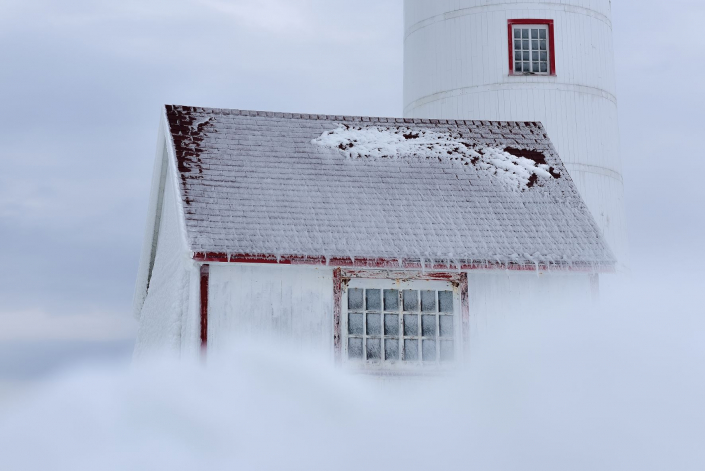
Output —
<point x="292" y="302"/>
<point x="167" y="300"/>
<point x="456" y="67"/>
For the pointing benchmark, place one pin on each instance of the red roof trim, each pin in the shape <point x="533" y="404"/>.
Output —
<point x="215" y="257"/>
<point x="551" y="46"/>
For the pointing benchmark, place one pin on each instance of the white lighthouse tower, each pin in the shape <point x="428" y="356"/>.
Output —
<point x="513" y="60"/>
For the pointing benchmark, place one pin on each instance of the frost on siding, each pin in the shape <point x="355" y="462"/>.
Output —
<point x="160" y="326"/>
<point x="293" y="302"/>
<point x="519" y="168"/>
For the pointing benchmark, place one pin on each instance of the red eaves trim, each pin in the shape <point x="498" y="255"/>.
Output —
<point x="551" y="42"/>
<point x="395" y="264"/>
<point x="205" y="274"/>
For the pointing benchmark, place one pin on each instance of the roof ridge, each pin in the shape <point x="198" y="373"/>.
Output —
<point x="351" y="118"/>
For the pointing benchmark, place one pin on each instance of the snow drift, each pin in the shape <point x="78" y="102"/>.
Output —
<point x="518" y="168"/>
<point x="614" y="390"/>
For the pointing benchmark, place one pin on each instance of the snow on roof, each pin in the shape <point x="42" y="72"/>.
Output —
<point x="279" y="184"/>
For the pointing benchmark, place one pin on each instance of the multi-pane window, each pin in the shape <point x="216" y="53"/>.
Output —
<point x="412" y="323"/>
<point x="531" y="49"/>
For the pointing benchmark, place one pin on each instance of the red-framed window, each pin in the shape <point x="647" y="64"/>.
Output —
<point x="531" y="47"/>
<point x="400" y="321"/>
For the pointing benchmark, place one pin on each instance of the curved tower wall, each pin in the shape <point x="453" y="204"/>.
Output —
<point x="456" y="66"/>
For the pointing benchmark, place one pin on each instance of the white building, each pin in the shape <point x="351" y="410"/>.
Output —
<point x="383" y="242"/>
<point x="465" y="59"/>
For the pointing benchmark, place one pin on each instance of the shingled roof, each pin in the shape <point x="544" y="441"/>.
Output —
<point x="287" y="186"/>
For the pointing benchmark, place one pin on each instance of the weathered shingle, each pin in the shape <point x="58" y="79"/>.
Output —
<point x="255" y="183"/>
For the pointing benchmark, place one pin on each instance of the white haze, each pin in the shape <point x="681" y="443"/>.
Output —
<point x="619" y="387"/>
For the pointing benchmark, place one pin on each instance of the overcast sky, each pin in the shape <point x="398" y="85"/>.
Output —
<point x="82" y="82"/>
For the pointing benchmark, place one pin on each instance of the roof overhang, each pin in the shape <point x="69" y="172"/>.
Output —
<point x="401" y="263"/>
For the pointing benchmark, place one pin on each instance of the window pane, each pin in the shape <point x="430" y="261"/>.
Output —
<point x="374" y="302"/>
<point x="355" y="324"/>
<point x="411" y="300"/>
<point x="374" y="324"/>
<point x="544" y="67"/>
<point x="517" y="67"/>
<point x="445" y="301"/>
<point x="374" y="349"/>
<point x="525" y="45"/>
<point x="355" y="299"/>
<point x="354" y="348"/>
<point x="544" y="55"/>
<point x="525" y="34"/>
<point x="447" y="350"/>
<point x="517" y="44"/>
<point x="535" y="66"/>
<point x="534" y="34"/>
<point x="534" y="45"/>
<point x="411" y="350"/>
<point x="391" y="349"/>
<point x="543" y="45"/>
<point x="542" y="34"/>
<point x="411" y="324"/>
<point x="446" y="326"/>
<point x="526" y="67"/>
<point x="517" y="33"/>
<point x="535" y="56"/>
<point x="526" y="55"/>
<point x="428" y="326"/>
<point x="429" y="350"/>
<point x="391" y="300"/>
<point x="391" y="324"/>
<point x="428" y="301"/>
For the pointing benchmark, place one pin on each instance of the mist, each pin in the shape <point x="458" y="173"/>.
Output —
<point x="615" y="386"/>
<point x="618" y="386"/>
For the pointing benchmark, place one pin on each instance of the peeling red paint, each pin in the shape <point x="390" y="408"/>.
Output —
<point x="337" y="297"/>
<point x="205" y="275"/>
<point x="187" y="136"/>
<point x="402" y="275"/>
<point x="465" y="313"/>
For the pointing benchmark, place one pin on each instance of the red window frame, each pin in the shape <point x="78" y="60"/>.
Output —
<point x="341" y="276"/>
<point x="551" y="48"/>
